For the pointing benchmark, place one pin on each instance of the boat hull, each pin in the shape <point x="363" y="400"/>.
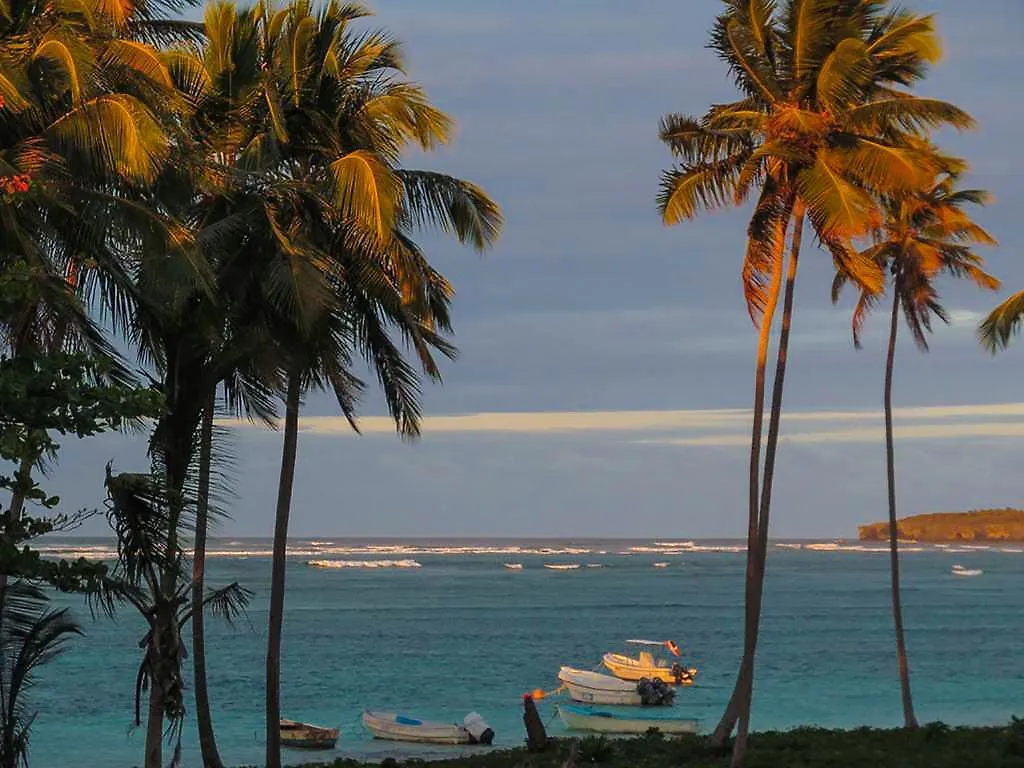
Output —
<point x="305" y="736"/>
<point x="627" y="668"/>
<point x="394" y="727"/>
<point x="595" y="688"/>
<point x="588" y="719"/>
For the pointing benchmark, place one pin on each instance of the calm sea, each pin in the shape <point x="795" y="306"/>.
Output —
<point x="439" y="629"/>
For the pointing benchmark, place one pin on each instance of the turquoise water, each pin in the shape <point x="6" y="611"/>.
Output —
<point x="463" y="633"/>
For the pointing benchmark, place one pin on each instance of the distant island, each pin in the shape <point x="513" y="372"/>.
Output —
<point x="979" y="525"/>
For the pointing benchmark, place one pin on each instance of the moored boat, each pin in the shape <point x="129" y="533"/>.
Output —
<point x="595" y="688"/>
<point x="646" y="664"/>
<point x="305" y="736"/>
<point x="959" y="570"/>
<point x="395" y="727"/>
<point x="562" y="566"/>
<point x="577" y="717"/>
<point x="514" y="566"/>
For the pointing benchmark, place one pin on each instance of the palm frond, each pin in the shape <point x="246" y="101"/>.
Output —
<point x="687" y="190"/>
<point x="835" y="206"/>
<point x="738" y="47"/>
<point x="451" y="205"/>
<point x="227" y="603"/>
<point x="366" y="190"/>
<point x="909" y="113"/>
<point x="1002" y="323"/>
<point x="844" y="76"/>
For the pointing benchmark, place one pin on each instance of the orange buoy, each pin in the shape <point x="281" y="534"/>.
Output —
<point x="538" y="694"/>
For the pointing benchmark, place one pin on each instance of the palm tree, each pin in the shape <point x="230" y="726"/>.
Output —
<point x="924" y="234"/>
<point x="335" y="268"/>
<point x="30" y="637"/>
<point x="822" y="127"/>
<point x="84" y="106"/>
<point x="140" y="513"/>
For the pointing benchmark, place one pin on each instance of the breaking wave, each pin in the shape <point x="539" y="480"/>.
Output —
<point x="363" y="564"/>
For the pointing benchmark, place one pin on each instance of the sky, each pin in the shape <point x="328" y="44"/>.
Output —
<point x="606" y="362"/>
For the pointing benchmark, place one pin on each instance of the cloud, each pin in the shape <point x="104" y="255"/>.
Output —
<point x="659" y="421"/>
<point x="862" y="435"/>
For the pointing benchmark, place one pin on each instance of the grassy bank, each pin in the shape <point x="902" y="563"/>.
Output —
<point x="932" y="746"/>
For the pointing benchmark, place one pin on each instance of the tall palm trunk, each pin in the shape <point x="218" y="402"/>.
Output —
<point x="207" y="740"/>
<point x="909" y="720"/>
<point x="284" y="501"/>
<point x="155" y="727"/>
<point x="166" y="682"/>
<point x="764" y="512"/>
<point x="732" y="710"/>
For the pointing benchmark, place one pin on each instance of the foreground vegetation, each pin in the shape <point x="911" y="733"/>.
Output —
<point x="978" y="525"/>
<point x="935" y="745"/>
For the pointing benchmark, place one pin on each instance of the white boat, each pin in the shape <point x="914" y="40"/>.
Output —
<point x="395" y="727"/>
<point x="514" y="566"/>
<point x="648" y="665"/>
<point x="959" y="570"/>
<point x="595" y="688"/>
<point x="581" y="718"/>
<point x="562" y="566"/>
<point x="661" y="565"/>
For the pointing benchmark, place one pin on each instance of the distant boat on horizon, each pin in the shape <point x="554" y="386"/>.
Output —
<point x="959" y="570"/>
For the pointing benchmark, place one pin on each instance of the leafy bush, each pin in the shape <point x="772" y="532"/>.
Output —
<point x="596" y="749"/>
<point x="1014" y="744"/>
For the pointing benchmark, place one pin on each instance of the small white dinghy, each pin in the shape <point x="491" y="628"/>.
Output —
<point x="595" y="688"/>
<point x="395" y="727"/>
<point x="959" y="570"/>
<point x="514" y="566"/>
<point x="562" y="566"/>
<point x="581" y="718"/>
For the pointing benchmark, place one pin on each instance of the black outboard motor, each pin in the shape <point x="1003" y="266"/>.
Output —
<point x="655" y="693"/>
<point x="479" y="731"/>
<point x="681" y="674"/>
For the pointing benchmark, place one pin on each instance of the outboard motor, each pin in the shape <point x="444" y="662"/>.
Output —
<point x="479" y="731"/>
<point x="654" y="692"/>
<point x="680" y="673"/>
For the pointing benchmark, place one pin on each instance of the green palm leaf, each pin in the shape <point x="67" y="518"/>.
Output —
<point x="1002" y="323"/>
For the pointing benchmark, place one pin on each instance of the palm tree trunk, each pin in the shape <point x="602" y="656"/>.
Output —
<point x="207" y="740"/>
<point x="909" y="720"/>
<point x="761" y="549"/>
<point x="155" y="726"/>
<point x="732" y="710"/>
<point x="284" y="500"/>
<point x="21" y="486"/>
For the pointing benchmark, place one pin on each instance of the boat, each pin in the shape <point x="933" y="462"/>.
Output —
<point x="305" y="736"/>
<point x="578" y="717"/>
<point x="562" y="566"/>
<point x="395" y="727"/>
<point x="959" y="570"/>
<point x="514" y="566"/>
<point x="596" y="688"/>
<point x="661" y="565"/>
<point x="647" y="664"/>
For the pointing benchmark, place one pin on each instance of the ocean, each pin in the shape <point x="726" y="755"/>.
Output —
<point x="438" y="629"/>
